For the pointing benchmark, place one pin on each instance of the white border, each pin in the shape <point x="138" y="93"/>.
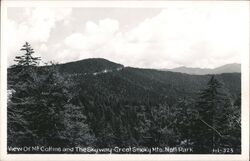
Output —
<point x="119" y="4"/>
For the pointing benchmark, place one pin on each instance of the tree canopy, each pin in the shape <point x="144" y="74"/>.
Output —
<point x="125" y="108"/>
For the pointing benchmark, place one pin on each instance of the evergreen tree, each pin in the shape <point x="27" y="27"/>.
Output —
<point x="21" y="81"/>
<point x="204" y="128"/>
<point x="211" y="129"/>
<point x="27" y="59"/>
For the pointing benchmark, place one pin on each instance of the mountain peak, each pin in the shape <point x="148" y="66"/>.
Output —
<point x="89" y="65"/>
<point x="228" y="68"/>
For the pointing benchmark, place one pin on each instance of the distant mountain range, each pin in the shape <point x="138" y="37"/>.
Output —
<point x="228" y="68"/>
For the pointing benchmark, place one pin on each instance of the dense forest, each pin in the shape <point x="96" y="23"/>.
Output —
<point x="101" y="104"/>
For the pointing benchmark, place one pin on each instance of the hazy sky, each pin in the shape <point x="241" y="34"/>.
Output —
<point x="169" y="37"/>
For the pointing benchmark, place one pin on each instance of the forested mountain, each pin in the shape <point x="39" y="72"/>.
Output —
<point x="228" y="68"/>
<point x="101" y="104"/>
<point x="88" y="66"/>
<point x="117" y="79"/>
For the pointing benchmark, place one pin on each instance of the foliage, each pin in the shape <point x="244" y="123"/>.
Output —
<point x="55" y="105"/>
<point x="41" y="111"/>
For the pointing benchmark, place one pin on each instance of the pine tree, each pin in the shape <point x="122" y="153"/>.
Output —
<point x="27" y="59"/>
<point x="210" y="98"/>
<point x="212" y="124"/>
<point x="21" y="80"/>
<point x="204" y="127"/>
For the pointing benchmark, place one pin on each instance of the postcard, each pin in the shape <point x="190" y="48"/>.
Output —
<point x="124" y="80"/>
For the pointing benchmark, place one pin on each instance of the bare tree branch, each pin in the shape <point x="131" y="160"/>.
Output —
<point x="211" y="127"/>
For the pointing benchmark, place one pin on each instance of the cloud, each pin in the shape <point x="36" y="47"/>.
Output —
<point x="76" y="41"/>
<point x="36" y="28"/>
<point x="201" y="37"/>
<point x="96" y="39"/>
<point x="194" y="36"/>
<point x="108" y="26"/>
<point x="43" y="48"/>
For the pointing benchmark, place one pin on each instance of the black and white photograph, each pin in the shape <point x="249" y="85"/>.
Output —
<point x="133" y="79"/>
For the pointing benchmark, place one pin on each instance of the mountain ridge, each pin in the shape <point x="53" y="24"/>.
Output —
<point x="117" y="78"/>
<point x="95" y="65"/>
<point x="227" y="68"/>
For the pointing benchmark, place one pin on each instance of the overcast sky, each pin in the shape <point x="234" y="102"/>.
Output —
<point x="169" y="37"/>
